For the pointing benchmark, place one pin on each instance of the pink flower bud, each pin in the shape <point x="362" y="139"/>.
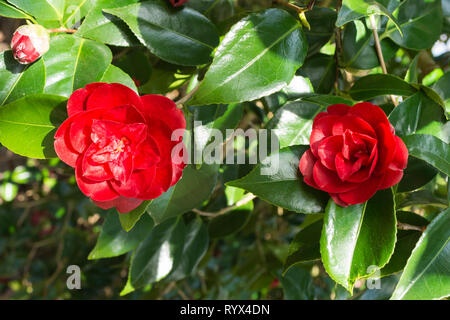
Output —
<point x="177" y="3"/>
<point x="30" y="42"/>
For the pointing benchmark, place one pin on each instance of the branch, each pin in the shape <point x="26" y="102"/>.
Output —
<point x="62" y="30"/>
<point x="188" y="96"/>
<point x="249" y="197"/>
<point x="405" y="226"/>
<point x="379" y="51"/>
<point x="295" y="7"/>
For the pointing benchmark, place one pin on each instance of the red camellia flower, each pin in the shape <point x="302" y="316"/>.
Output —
<point x="29" y="42"/>
<point x="178" y="3"/>
<point x="121" y="144"/>
<point x="354" y="152"/>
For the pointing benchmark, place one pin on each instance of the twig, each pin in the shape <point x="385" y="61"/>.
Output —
<point x="223" y="211"/>
<point x="405" y="226"/>
<point x="188" y="96"/>
<point x="62" y="30"/>
<point x="296" y="8"/>
<point x="379" y="51"/>
<point x="338" y="49"/>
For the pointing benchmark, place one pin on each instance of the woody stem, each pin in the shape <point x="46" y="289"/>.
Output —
<point x="62" y="30"/>
<point x="379" y="51"/>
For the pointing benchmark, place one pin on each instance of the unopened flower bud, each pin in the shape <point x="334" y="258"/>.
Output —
<point x="177" y="3"/>
<point x="29" y="43"/>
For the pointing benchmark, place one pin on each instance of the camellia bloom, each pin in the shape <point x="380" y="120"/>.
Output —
<point x="121" y="144"/>
<point x="354" y="152"/>
<point x="29" y="43"/>
<point x="178" y="3"/>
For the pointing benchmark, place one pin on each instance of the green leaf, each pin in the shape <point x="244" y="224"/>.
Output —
<point x="159" y="253"/>
<point x="27" y="126"/>
<point x="320" y="69"/>
<point x="280" y="172"/>
<point x="421" y="23"/>
<point x="358" y="49"/>
<point x="233" y="221"/>
<point x="441" y="88"/>
<point x="322" y="28"/>
<point x="196" y="245"/>
<point x="406" y="241"/>
<point x="75" y="10"/>
<point x="114" y="241"/>
<point x="257" y="57"/>
<point x="412" y="75"/>
<point x="42" y="9"/>
<point x="216" y="10"/>
<point x="115" y="75"/>
<point x="17" y="80"/>
<point x="430" y="149"/>
<point x="305" y="246"/>
<point x="374" y="85"/>
<point x="426" y="275"/>
<point x="327" y="100"/>
<point x="355" y="9"/>
<point x="71" y="63"/>
<point x="107" y="28"/>
<point x="128" y="220"/>
<point x="292" y="123"/>
<point x="180" y="198"/>
<point x="168" y="33"/>
<point x="357" y="238"/>
<point x="7" y="10"/>
<point x="418" y="114"/>
<point x="136" y="64"/>
<point x="297" y="284"/>
<point x="417" y="174"/>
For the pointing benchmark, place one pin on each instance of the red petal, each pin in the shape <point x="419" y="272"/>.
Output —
<point x="156" y="105"/>
<point x="322" y="128"/>
<point x="371" y="113"/>
<point x="122" y="204"/>
<point x="400" y="160"/>
<point x="362" y="193"/>
<point x="338" y="109"/>
<point x="338" y="200"/>
<point x="352" y="123"/>
<point x="147" y="155"/>
<point x="137" y="185"/>
<point x="306" y="166"/>
<point x="77" y="101"/>
<point x="327" y="150"/>
<point x="94" y="171"/>
<point x="329" y="181"/>
<point x="386" y="148"/>
<point x="113" y="95"/>
<point x="63" y="147"/>
<point x="345" y="168"/>
<point x="391" y="177"/>
<point x="124" y="114"/>
<point x="99" y="191"/>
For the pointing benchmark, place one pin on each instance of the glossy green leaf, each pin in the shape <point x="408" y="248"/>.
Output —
<point x="159" y="253"/>
<point x="27" y="125"/>
<point x="280" y="172"/>
<point x="216" y="10"/>
<point x="430" y="149"/>
<point x="320" y="69"/>
<point x="115" y="75"/>
<point x="136" y="64"/>
<point x="412" y="75"/>
<point x="42" y="9"/>
<point x="359" y="239"/>
<point x="358" y="49"/>
<point x="441" y="87"/>
<point x="297" y="284"/>
<point x="426" y="275"/>
<point x="7" y="10"/>
<point x="327" y="100"/>
<point x="257" y="57"/>
<point x="421" y="23"/>
<point x="107" y="28"/>
<point x="355" y="9"/>
<point x="17" y="80"/>
<point x="75" y="10"/>
<point x="114" y="241"/>
<point x="418" y="114"/>
<point x="292" y="123"/>
<point x="417" y="174"/>
<point x="375" y="85"/>
<point x="180" y="198"/>
<point x="406" y="241"/>
<point x="196" y="244"/>
<point x="129" y="220"/>
<point x="71" y="63"/>
<point x="322" y="22"/>
<point x="168" y="33"/>
<point x="305" y="246"/>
